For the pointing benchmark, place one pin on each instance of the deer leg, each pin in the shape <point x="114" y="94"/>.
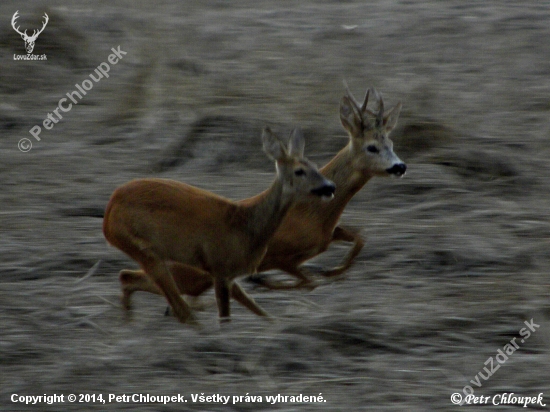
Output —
<point x="190" y="281"/>
<point x="158" y="271"/>
<point x="345" y="235"/>
<point x="244" y="299"/>
<point x="135" y="280"/>
<point x="304" y="281"/>
<point x="221" y="287"/>
<point x="237" y="293"/>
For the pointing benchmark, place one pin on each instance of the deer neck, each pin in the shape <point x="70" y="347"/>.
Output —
<point x="347" y="178"/>
<point x="266" y="213"/>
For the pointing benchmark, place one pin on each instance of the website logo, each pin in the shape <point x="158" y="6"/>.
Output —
<point x="29" y="40"/>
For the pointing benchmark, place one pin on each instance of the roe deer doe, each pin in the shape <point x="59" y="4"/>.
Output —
<point x="310" y="226"/>
<point x="156" y="221"/>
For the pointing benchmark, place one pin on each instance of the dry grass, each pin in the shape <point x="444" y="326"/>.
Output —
<point x="457" y="251"/>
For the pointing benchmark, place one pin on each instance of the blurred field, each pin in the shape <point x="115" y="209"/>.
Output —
<point x="457" y="251"/>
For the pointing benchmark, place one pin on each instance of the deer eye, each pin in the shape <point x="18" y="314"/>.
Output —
<point x="372" y="149"/>
<point x="300" y="172"/>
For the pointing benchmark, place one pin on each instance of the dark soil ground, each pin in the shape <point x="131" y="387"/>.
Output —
<point x="456" y="256"/>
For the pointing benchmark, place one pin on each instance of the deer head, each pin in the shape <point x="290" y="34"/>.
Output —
<point x="369" y="131"/>
<point x="29" y="40"/>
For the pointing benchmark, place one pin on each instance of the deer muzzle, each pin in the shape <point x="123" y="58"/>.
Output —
<point x="326" y="191"/>
<point x="397" y="169"/>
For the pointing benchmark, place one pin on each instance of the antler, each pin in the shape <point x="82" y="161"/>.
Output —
<point x="380" y="114"/>
<point x="361" y="107"/>
<point x="15" y="17"/>
<point x="35" y="34"/>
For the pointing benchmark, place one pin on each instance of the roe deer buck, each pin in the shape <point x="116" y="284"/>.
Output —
<point x="310" y="226"/>
<point x="155" y="221"/>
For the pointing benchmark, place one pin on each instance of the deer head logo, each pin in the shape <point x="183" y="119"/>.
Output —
<point x="29" y="40"/>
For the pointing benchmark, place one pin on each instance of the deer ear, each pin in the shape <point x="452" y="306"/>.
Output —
<point x="350" y="116"/>
<point x="390" y="118"/>
<point x="296" y="144"/>
<point x="272" y="145"/>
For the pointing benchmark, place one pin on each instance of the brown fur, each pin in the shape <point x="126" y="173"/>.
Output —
<point x="156" y="221"/>
<point x="310" y="226"/>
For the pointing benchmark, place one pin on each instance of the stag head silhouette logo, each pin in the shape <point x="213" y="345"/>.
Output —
<point x="29" y="40"/>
